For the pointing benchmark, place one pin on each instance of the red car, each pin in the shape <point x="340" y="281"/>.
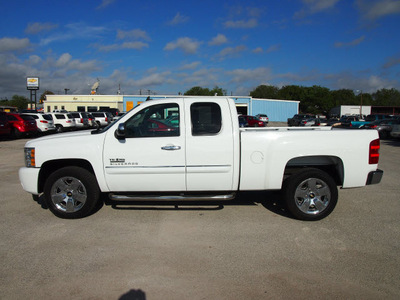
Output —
<point x="253" y="121"/>
<point x="21" y="125"/>
<point x="4" y="126"/>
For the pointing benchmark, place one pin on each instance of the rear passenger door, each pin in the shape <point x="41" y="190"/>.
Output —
<point x="209" y="146"/>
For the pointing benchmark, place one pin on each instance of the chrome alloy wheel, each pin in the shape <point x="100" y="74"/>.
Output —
<point x="68" y="194"/>
<point x="312" y="196"/>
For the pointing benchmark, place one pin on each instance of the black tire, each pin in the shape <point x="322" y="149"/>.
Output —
<point x="71" y="192"/>
<point x="310" y="194"/>
<point x="15" y="133"/>
<point x="59" y="128"/>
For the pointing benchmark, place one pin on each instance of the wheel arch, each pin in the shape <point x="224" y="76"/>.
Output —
<point x="332" y="165"/>
<point x="50" y="166"/>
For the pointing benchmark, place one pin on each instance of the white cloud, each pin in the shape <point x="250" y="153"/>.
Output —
<point x="178" y="19"/>
<point x="220" y="39"/>
<point x="63" y="60"/>
<point x="258" y="50"/>
<point x="372" y="9"/>
<point x="190" y="66"/>
<point x="135" y="34"/>
<point x="351" y="43"/>
<point x="231" y="51"/>
<point x="14" y="44"/>
<point x="127" y="45"/>
<point x="35" y="28"/>
<point x="75" y="31"/>
<point x="105" y="3"/>
<point x="244" y="75"/>
<point x="187" y="45"/>
<point x="315" y="6"/>
<point x="251" y="23"/>
<point x="273" y="48"/>
<point x="153" y="79"/>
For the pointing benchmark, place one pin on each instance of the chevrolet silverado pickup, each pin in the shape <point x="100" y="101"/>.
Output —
<point x="193" y="149"/>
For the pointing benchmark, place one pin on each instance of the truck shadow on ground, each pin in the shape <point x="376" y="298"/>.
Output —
<point x="271" y="200"/>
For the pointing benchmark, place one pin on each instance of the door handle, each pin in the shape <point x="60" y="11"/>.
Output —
<point x="171" y="147"/>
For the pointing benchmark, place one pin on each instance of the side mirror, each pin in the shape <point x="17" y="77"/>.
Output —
<point x="120" y="132"/>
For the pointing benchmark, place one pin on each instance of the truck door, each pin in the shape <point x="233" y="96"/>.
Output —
<point x="151" y="156"/>
<point x="210" y="144"/>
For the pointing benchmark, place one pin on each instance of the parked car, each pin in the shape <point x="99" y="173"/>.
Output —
<point x="384" y="127"/>
<point x="81" y="120"/>
<point x="21" y="125"/>
<point x="253" y="121"/>
<point x="44" y="122"/>
<point x="350" y="122"/>
<point x="243" y="122"/>
<point x="395" y="131"/>
<point x="263" y="117"/>
<point x="102" y="118"/>
<point x="333" y="122"/>
<point x="295" y="121"/>
<point x="4" y="125"/>
<point x="310" y="122"/>
<point x="63" y="121"/>
<point x="119" y="116"/>
<point x="91" y="120"/>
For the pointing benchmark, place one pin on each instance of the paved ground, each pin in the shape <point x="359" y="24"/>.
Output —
<point x="248" y="249"/>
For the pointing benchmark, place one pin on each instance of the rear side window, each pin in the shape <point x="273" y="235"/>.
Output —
<point x="26" y="117"/>
<point x="206" y="118"/>
<point x="60" y="116"/>
<point x="75" y="115"/>
<point x="48" y="117"/>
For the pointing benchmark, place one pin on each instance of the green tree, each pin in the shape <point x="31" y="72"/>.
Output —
<point x="265" y="92"/>
<point x="19" y="101"/>
<point x="218" y="91"/>
<point x="318" y="100"/>
<point x="343" y="97"/>
<point x="386" y="97"/>
<point x="198" y="91"/>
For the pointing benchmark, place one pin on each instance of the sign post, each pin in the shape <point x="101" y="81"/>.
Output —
<point x="32" y="84"/>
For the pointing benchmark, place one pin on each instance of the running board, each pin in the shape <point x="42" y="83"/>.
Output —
<point x="119" y="197"/>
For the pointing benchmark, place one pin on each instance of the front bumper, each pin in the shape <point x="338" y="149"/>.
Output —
<point x="29" y="178"/>
<point x="374" y="177"/>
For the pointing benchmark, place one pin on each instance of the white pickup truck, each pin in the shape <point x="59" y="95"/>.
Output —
<point x="193" y="149"/>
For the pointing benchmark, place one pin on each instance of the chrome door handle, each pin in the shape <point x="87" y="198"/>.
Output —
<point x="171" y="147"/>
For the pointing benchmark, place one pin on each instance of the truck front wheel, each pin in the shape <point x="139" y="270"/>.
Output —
<point x="71" y="192"/>
<point x="310" y="194"/>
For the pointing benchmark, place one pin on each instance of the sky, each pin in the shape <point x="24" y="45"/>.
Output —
<point x="168" y="47"/>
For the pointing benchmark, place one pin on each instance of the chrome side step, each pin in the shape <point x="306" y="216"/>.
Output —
<point x="181" y="197"/>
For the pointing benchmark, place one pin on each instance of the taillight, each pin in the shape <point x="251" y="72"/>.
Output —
<point x="81" y="120"/>
<point x="68" y="121"/>
<point x="374" y="147"/>
<point x="106" y="119"/>
<point x="43" y="121"/>
<point x="374" y="126"/>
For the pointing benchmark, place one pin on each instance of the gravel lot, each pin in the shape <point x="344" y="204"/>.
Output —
<point x="246" y="249"/>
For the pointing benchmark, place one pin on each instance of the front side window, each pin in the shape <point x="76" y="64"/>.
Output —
<point x="206" y="118"/>
<point x="154" y="121"/>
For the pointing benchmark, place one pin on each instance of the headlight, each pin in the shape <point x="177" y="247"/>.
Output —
<point x="30" y="157"/>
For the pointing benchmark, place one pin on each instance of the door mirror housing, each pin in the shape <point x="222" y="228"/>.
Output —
<point x="120" y="131"/>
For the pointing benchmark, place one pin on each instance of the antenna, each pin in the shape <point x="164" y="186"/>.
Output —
<point x="95" y="86"/>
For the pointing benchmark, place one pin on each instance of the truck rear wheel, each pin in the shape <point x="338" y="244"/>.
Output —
<point x="310" y="194"/>
<point x="71" y="192"/>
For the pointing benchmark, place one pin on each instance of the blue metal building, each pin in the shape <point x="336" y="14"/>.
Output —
<point x="277" y="110"/>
